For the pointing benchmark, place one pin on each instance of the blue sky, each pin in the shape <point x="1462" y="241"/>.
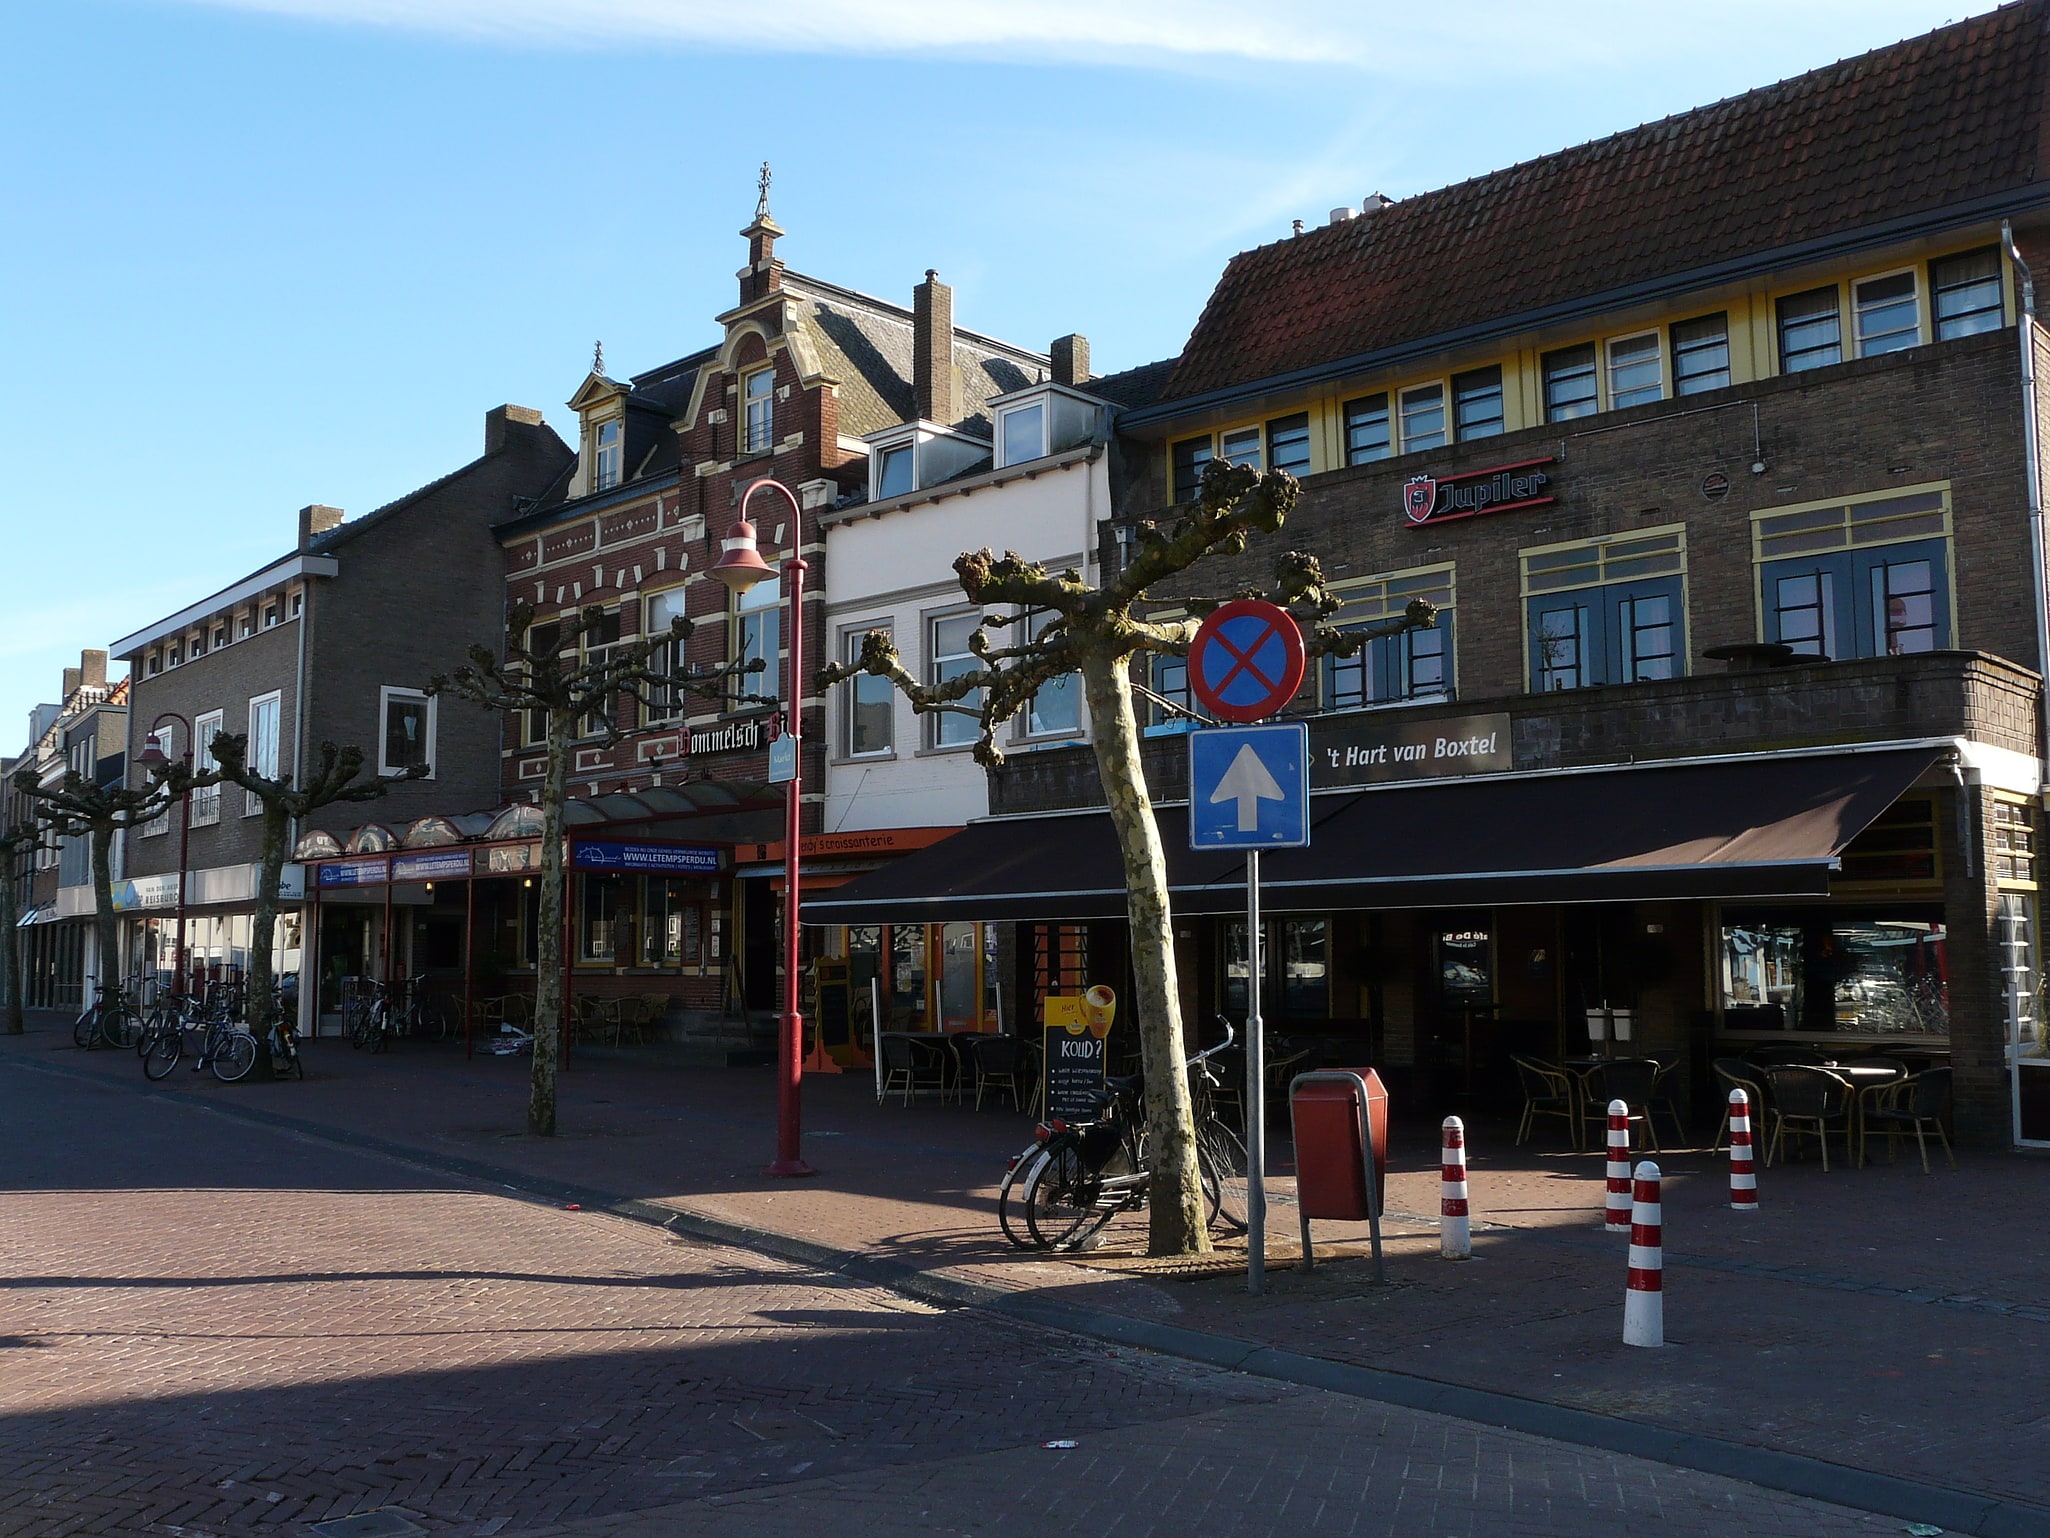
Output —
<point x="260" y="253"/>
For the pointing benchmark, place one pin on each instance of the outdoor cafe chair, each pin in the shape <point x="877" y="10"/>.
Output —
<point x="1808" y="1101"/>
<point x="1911" y="1105"/>
<point x="999" y="1069"/>
<point x="1736" y="1073"/>
<point x="1547" y="1091"/>
<point x="912" y="1065"/>
<point x="1632" y="1080"/>
<point x="1662" y="1102"/>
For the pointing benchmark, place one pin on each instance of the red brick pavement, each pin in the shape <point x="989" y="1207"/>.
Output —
<point x="1877" y="1318"/>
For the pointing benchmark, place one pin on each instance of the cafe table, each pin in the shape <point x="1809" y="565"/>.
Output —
<point x="1865" y="1080"/>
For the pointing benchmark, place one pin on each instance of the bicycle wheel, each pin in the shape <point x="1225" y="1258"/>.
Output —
<point x="161" y="1051"/>
<point x="120" y="1027"/>
<point x="85" y="1031"/>
<point x="1020" y="1171"/>
<point x="1227" y="1167"/>
<point x="381" y="1031"/>
<point x="1059" y="1197"/>
<point x="234" y="1055"/>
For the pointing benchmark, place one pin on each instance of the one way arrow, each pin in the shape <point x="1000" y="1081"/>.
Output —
<point x="1247" y="782"/>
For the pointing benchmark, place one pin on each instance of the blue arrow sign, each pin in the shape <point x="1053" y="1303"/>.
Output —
<point x="1249" y="787"/>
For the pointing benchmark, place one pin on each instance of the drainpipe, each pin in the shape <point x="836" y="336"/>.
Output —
<point x="2025" y="333"/>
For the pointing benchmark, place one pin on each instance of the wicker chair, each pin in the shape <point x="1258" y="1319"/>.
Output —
<point x="1000" y="1068"/>
<point x="1913" y="1104"/>
<point x="1736" y="1073"/>
<point x="1808" y="1101"/>
<point x="1547" y="1091"/>
<point x="1632" y="1080"/>
<point x="912" y="1066"/>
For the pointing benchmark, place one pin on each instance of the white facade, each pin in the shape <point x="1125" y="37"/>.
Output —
<point x="889" y="565"/>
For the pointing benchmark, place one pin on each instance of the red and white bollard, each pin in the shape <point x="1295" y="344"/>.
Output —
<point x="1644" y="1298"/>
<point x="1455" y="1227"/>
<point x="1743" y="1173"/>
<point x="1616" y="1210"/>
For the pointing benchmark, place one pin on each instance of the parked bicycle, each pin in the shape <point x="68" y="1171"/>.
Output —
<point x="228" y="1047"/>
<point x="378" y="1026"/>
<point x="110" y="1021"/>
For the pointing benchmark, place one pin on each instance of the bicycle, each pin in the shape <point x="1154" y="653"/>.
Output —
<point x="110" y="1021"/>
<point x="164" y="1043"/>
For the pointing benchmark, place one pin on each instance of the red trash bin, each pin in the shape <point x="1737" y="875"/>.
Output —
<point x="1340" y="1122"/>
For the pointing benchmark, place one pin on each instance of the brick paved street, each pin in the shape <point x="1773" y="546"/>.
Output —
<point x="342" y="1331"/>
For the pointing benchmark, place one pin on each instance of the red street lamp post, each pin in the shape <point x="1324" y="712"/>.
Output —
<point x="740" y="566"/>
<point x="149" y="758"/>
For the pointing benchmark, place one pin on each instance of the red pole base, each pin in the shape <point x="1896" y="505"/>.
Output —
<point x="819" y="1062"/>
<point x="790" y="1167"/>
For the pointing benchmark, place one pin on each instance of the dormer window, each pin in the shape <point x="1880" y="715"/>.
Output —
<point x="758" y="391"/>
<point x="893" y="471"/>
<point x="1021" y="433"/>
<point x="608" y="449"/>
<point x="220" y="636"/>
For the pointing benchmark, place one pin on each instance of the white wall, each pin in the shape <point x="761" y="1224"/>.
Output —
<point x="897" y="570"/>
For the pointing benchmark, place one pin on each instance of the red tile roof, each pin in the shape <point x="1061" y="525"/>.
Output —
<point x="1922" y="125"/>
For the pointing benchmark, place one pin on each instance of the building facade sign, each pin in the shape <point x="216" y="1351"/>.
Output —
<point x="733" y="737"/>
<point x="1392" y="747"/>
<point x="432" y="865"/>
<point x="1440" y="499"/>
<point x="503" y="858"/>
<point x="364" y="872"/>
<point x="657" y="859"/>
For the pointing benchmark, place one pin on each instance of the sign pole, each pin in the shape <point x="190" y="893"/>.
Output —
<point x="1256" y="1091"/>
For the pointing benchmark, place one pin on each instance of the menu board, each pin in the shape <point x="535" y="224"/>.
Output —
<point x="1075" y="1060"/>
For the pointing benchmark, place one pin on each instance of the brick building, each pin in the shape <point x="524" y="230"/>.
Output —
<point x="332" y="642"/>
<point x="1715" y="443"/>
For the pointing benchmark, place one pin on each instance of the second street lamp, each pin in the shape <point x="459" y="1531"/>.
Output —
<point x="740" y="566"/>
<point x="151" y="756"/>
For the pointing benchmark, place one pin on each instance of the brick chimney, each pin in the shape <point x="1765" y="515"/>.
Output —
<point x="1070" y="359"/>
<point x="316" y="520"/>
<point x="92" y="668"/>
<point x="763" y="274"/>
<point x="500" y="422"/>
<point x="72" y="678"/>
<point x="932" y="351"/>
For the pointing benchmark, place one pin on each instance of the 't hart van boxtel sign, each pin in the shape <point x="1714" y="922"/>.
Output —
<point x="1433" y="499"/>
<point x="1387" y="746"/>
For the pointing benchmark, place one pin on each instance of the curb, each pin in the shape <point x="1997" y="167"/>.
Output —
<point x="1956" y="1511"/>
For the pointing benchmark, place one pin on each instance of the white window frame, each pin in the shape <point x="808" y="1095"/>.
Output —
<point x="768" y="683"/>
<point x="265" y="764"/>
<point x="1857" y="337"/>
<point x="931" y="621"/>
<point x="608" y="460"/>
<point x="204" y="804"/>
<point x="1608" y="370"/>
<point x="385" y="696"/>
<point x="1041" y="404"/>
<point x="670" y="658"/>
<point x="1028" y="728"/>
<point x="877" y="453"/>
<point x="850" y="644"/>
<point x="762" y="439"/>
<point x="1399" y="428"/>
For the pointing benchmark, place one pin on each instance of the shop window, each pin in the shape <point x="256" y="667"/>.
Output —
<point x="906" y="986"/>
<point x="673" y="927"/>
<point x="950" y="657"/>
<point x="1634" y="371"/>
<point x="2020" y="998"/>
<point x="759" y="392"/>
<point x="1366" y="430"/>
<point x="1888" y="314"/>
<point x="605" y="919"/>
<point x="1701" y="354"/>
<point x="1811" y="330"/>
<point x="1241" y="447"/>
<point x="1190" y="456"/>
<point x="960" y="976"/>
<point x="1868" y="578"/>
<point x="1414" y="665"/>
<point x="869" y="701"/>
<point x="1571" y="386"/>
<point x="1477" y="403"/>
<point x="1606" y="611"/>
<point x="1288" y="444"/>
<point x="1423" y="418"/>
<point x="1877" y="974"/>
<point x="1964" y="294"/>
<point x="1295" y="980"/>
<point x="608" y="445"/>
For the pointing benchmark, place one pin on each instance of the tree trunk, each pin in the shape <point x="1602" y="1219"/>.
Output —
<point x="101" y="841"/>
<point x="264" y="925"/>
<point x="10" y="944"/>
<point x="548" y="1021"/>
<point x="1175" y="1198"/>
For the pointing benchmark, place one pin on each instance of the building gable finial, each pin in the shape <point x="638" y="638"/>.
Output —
<point x="762" y="202"/>
<point x="598" y="358"/>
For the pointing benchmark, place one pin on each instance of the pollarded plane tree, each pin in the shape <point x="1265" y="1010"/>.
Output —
<point x="1073" y="627"/>
<point x="17" y="846"/>
<point x="334" y="778"/>
<point x="572" y="675"/>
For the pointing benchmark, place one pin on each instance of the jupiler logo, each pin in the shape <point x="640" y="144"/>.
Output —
<point x="1419" y="496"/>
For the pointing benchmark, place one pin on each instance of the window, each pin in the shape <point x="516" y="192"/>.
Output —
<point x="951" y="658"/>
<point x="758" y="390"/>
<point x="1811" y="330"/>
<point x="1171" y="683"/>
<point x="1888" y="315"/>
<point x="1022" y="433"/>
<point x="893" y="471"/>
<point x="1190" y="456"/>
<point x="156" y="663"/>
<point x="1571" y="388"/>
<point x="674" y="932"/>
<point x="757" y="637"/>
<point x="870" y="701"/>
<point x="407" y="736"/>
<point x="199" y="646"/>
<point x="1415" y="665"/>
<point x="205" y="802"/>
<point x="270" y="615"/>
<point x="1634" y="371"/>
<point x="605" y="919"/>
<point x="1366" y="430"/>
<point x="174" y="654"/>
<point x="1965" y="294"/>
<point x="245" y="626"/>
<point x="1606" y="611"/>
<point x="1423" y="418"/>
<point x="1880" y="973"/>
<point x="298" y="602"/>
<point x="659" y="611"/>
<point x="2014" y="842"/>
<point x="1867" y="578"/>
<point x="220" y="636"/>
<point x="1242" y="447"/>
<point x="1288" y="444"/>
<point x="597" y="644"/>
<point x="262" y="752"/>
<point x="607" y="449"/>
<point x="541" y="641"/>
<point x="1056" y="709"/>
<point x="1701" y="355"/>
<point x="1477" y="403"/>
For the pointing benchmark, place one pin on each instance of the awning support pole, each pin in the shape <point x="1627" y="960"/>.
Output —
<point x="469" y="967"/>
